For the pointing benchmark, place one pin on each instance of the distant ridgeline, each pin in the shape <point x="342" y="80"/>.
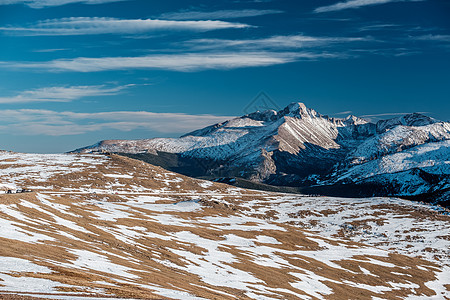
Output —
<point x="300" y="150"/>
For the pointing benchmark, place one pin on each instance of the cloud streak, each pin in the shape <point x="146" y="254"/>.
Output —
<point x="53" y="123"/>
<point x="347" y="112"/>
<point x="274" y="42"/>
<point x="186" y="62"/>
<point x="89" y="26"/>
<point x="219" y="14"/>
<point x="208" y="54"/>
<point x="62" y="94"/>
<point x="433" y="38"/>
<point x="353" y="4"/>
<point x="46" y="3"/>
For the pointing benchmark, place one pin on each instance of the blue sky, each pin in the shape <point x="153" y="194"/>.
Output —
<point x="74" y="72"/>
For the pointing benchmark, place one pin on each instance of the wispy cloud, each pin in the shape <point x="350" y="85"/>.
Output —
<point x="62" y="94"/>
<point x="53" y="123"/>
<point x="376" y="27"/>
<point x="274" y="42"/>
<point x="50" y="50"/>
<point x="187" y="62"/>
<point x="352" y="4"/>
<point x="433" y="38"/>
<point x="86" y="26"/>
<point x="347" y="112"/>
<point x="46" y="3"/>
<point x="218" y="14"/>
<point x="208" y="54"/>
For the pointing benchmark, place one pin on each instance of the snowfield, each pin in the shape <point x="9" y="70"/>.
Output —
<point x="99" y="226"/>
<point x="433" y="158"/>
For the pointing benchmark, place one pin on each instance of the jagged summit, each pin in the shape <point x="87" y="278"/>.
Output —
<point x="414" y="119"/>
<point x="354" y="120"/>
<point x="295" y="109"/>
<point x="299" y="109"/>
<point x="266" y="116"/>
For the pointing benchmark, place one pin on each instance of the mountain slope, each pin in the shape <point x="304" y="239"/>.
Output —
<point x="298" y="146"/>
<point x="107" y="226"/>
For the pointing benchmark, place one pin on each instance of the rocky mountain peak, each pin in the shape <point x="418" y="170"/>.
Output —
<point x="266" y="116"/>
<point x="295" y="109"/>
<point x="354" y="120"/>
<point x="299" y="110"/>
<point x="418" y="119"/>
<point x="414" y="119"/>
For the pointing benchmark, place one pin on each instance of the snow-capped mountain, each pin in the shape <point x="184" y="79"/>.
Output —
<point x="298" y="146"/>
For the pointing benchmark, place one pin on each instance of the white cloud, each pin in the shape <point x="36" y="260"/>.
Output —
<point x="45" y="3"/>
<point x="347" y="112"/>
<point x="48" y="122"/>
<point x="188" y="62"/>
<point x="50" y="50"/>
<point x="62" y="94"/>
<point x="207" y="54"/>
<point x="356" y="4"/>
<point x="218" y="14"/>
<point x="85" y="26"/>
<point x="274" y="42"/>
<point x="433" y="38"/>
<point x="379" y="27"/>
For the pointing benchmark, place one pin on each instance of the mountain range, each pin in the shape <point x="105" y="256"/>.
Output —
<point x="299" y="148"/>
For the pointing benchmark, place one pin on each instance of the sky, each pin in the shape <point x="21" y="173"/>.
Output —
<point x="74" y="72"/>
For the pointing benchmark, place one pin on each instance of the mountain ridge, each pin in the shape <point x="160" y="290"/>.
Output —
<point x="298" y="146"/>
